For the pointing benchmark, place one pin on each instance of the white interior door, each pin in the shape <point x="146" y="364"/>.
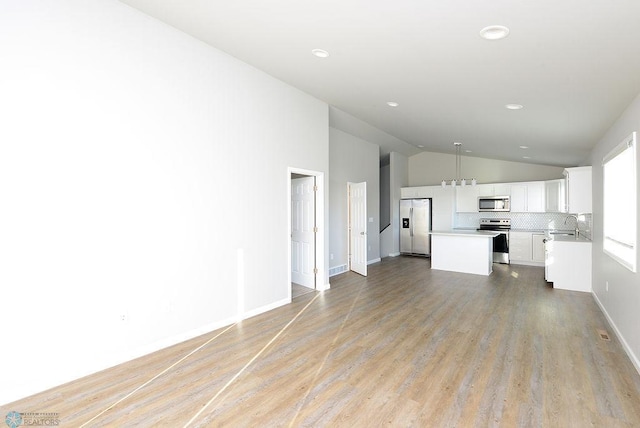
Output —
<point x="358" y="227"/>
<point x="303" y="227"/>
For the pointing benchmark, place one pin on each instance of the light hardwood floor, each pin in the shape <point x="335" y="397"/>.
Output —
<point x="406" y="346"/>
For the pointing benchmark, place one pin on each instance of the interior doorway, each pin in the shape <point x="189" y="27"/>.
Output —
<point x="306" y="236"/>
<point x="357" y="205"/>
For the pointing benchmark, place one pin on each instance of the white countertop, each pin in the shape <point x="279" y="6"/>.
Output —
<point x="469" y="233"/>
<point x="570" y="238"/>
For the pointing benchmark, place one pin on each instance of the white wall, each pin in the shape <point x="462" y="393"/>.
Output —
<point x="622" y="302"/>
<point x="136" y="165"/>
<point x="385" y="195"/>
<point x="428" y="168"/>
<point x="399" y="179"/>
<point x="354" y="160"/>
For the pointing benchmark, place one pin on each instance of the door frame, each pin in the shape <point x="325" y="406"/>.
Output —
<point x="322" y="282"/>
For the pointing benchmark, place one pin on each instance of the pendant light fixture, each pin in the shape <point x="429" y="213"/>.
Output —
<point x="457" y="180"/>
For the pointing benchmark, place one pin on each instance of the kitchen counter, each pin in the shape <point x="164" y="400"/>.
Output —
<point x="465" y="232"/>
<point x="571" y="238"/>
<point x="466" y="251"/>
<point x="568" y="262"/>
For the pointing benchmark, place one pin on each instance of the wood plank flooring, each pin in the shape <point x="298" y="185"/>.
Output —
<point x="406" y="346"/>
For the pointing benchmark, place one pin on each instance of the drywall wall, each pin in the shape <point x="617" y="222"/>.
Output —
<point x="621" y="302"/>
<point x="352" y="160"/>
<point x="122" y="231"/>
<point x="385" y="195"/>
<point x="430" y="168"/>
<point x="399" y="179"/>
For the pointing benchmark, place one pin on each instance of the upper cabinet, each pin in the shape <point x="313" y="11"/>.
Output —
<point x="555" y="196"/>
<point x="535" y="197"/>
<point x="467" y="198"/>
<point x="571" y="194"/>
<point x="578" y="185"/>
<point x="527" y="197"/>
<point x="442" y="201"/>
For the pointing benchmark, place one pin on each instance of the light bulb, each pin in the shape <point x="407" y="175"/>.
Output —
<point x="453" y="183"/>
<point x="443" y="184"/>
<point x="463" y="182"/>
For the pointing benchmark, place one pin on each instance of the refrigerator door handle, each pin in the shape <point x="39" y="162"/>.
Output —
<point x="411" y="224"/>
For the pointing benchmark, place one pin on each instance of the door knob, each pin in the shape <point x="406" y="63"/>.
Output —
<point x="361" y="233"/>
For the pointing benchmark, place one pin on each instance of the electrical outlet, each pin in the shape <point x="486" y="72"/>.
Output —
<point x="123" y="317"/>
<point x="331" y="256"/>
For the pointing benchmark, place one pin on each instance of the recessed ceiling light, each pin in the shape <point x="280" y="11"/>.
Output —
<point x="494" y="32"/>
<point x="421" y="146"/>
<point x="514" y="106"/>
<point x="392" y="104"/>
<point x="526" y="157"/>
<point x="467" y="151"/>
<point x="524" y="147"/>
<point x="320" y="53"/>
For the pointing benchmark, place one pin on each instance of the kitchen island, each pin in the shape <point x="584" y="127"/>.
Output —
<point x="466" y="251"/>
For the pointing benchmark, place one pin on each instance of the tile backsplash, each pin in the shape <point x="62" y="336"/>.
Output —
<point x="529" y="221"/>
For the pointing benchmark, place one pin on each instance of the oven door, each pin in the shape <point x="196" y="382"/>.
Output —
<point x="501" y="248"/>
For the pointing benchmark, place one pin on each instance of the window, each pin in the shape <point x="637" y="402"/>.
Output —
<point x="620" y="203"/>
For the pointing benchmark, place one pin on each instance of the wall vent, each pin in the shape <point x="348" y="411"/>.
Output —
<point x="337" y="270"/>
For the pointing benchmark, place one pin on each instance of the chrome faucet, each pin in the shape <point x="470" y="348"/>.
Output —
<point x="575" y="217"/>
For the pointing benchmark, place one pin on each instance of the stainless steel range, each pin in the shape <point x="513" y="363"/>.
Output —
<point x="500" y="242"/>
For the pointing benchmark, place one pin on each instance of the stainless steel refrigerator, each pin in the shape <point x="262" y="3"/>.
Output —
<point x="415" y="224"/>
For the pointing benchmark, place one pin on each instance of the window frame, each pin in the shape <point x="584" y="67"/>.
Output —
<point x="616" y="248"/>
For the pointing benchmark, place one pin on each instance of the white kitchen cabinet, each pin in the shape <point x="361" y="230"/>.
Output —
<point x="537" y="247"/>
<point x="415" y="192"/>
<point x="519" y="247"/>
<point x="555" y="196"/>
<point x="526" y="248"/>
<point x="535" y="197"/>
<point x="526" y="197"/>
<point x="568" y="264"/>
<point x="500" y="189"/>
<point x="442" y="203"/>
<point x="518" y="197"/>
<point x="578" y="185"/>
<point x="467" y="198"/>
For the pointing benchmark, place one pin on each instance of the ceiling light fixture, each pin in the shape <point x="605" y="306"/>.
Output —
<point x="455" y="181"/>
<point x="392" y="104"/>
<point x="514" y="106"/>
<point x="494" y="32"/>
<point x="320" y="53"/>
<point x="524" y="147"/>
<point x="421" y="146"/>
<point x="526" y="157"/>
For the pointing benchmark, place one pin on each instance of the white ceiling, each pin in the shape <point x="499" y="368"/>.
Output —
<point x="573" y="64"/>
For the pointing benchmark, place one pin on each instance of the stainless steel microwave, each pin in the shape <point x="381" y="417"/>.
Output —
<point x="494" y="203"/>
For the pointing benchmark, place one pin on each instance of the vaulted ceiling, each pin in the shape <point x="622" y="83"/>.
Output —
<point x="573" y="65"/>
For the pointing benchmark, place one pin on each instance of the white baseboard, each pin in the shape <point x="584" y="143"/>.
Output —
<point x="370" y="262"/>
<point x="265" y="308"/>
<point x="526" y="263"/>
<point x="625" y="345"/>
